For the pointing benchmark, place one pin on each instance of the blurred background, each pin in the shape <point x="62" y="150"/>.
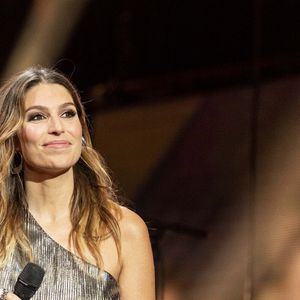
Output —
<point x="195" y="107"/>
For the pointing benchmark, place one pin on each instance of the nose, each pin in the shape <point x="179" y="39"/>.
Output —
<point x="55" y="126"/>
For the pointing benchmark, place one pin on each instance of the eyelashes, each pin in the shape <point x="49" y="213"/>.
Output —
<point x="69" y="113"/>
<point x="35" y="117"/>
<point x="38" y="116"/>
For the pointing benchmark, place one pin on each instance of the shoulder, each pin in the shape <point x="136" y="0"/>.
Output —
<point x="134" y="236"/>
<point x="137" y="267"/>
<point x="132" y="226"/>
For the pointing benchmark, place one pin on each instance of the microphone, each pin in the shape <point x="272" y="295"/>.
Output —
<point x="29" y="281"/>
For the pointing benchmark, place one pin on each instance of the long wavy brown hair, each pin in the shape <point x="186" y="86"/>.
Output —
<point x="94" y="208"/>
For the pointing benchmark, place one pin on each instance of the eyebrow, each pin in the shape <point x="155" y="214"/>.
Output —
<point x="41" y="107"/>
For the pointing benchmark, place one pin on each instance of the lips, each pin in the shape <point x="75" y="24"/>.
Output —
<point x="57" y="144"/>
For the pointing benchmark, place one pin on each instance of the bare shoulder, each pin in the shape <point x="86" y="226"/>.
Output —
<point x="132" y="226"/>
<point x="137" y="267"/>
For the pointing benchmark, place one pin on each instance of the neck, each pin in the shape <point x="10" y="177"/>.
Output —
<point x="49" y="196"/>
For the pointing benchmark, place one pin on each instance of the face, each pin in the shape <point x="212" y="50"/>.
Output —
<point x="50" y="138"/>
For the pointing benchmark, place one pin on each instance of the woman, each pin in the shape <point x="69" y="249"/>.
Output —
<point x="57" y="205"/>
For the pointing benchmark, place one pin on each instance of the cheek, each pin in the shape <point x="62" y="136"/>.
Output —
<point x="76" y="130"/>
<point x="28" y="136"/>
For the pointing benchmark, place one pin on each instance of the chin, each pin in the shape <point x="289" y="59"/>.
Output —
<point x="60" y="167"/>
<point x="51" y="168"/>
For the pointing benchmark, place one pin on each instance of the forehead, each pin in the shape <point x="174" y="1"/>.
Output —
<point x="47" y="94"/>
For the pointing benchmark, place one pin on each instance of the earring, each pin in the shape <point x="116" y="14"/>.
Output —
<point x="83" y="141"/>
<point x="17" y="163"/>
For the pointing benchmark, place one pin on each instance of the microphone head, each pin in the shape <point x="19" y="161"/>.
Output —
<point x="29" y="281"/>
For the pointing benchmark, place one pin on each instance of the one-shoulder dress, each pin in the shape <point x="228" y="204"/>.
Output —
<point x="67" y="277"/>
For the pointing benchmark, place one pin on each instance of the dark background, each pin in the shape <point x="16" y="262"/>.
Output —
<point x="196" y="44"/>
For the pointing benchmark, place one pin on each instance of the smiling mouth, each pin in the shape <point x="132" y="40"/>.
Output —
<point x="57" y="144"/>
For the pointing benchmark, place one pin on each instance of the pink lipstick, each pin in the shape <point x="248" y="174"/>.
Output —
<point x="57" y="144"/>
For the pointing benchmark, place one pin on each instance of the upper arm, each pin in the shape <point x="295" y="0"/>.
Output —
<point x="137" y="274"/>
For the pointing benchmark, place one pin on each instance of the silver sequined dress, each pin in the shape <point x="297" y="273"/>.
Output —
<point x="67" y="277"/>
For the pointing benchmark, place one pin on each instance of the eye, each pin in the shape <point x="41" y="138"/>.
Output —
<point x="36" y="117"/>
<point x="69" y="113"/>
